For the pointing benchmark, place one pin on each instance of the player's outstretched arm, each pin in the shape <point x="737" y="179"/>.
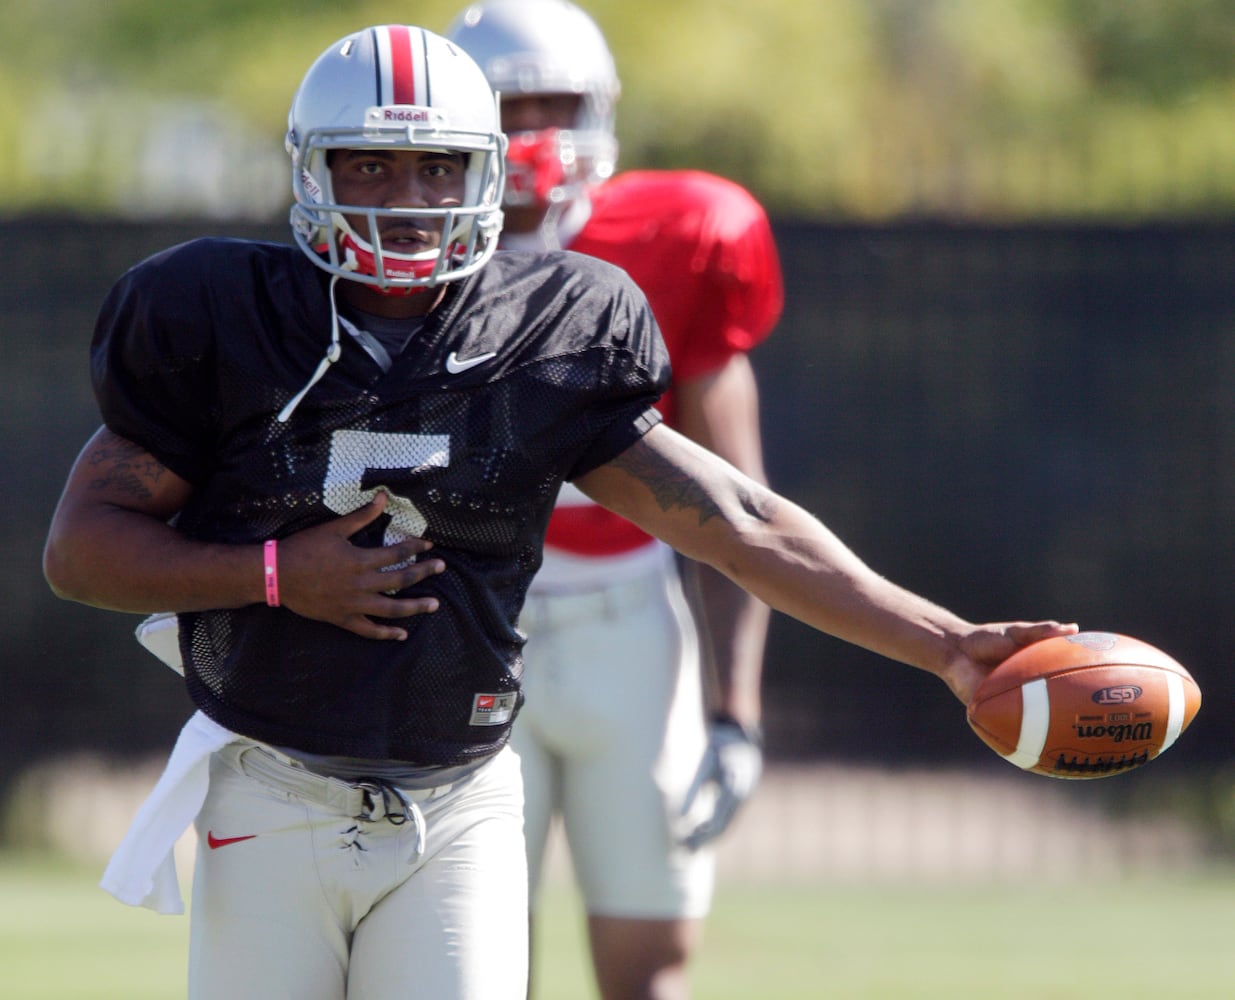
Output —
<point x="110" y="546"/>
<point x="707" y="510"/>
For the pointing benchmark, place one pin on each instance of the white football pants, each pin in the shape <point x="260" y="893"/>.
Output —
<point x="611" y="736"/>
<point x="296" y="898"/>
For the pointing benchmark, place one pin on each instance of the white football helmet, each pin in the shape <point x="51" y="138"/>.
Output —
<point x="530" y="47"/>
<point x="396" y="87"/>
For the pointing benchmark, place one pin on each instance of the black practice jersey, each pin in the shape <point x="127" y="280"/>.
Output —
<point x="536" y="369"/>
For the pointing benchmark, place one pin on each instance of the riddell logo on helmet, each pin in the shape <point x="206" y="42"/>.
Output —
<point x="405" y="114"/>
<point x="401" y="114"/>
<point x="311" y="187"/>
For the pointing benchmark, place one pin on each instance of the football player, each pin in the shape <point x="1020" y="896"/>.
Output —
<point x="645" y="759"/>
<point x="336" y="461"/>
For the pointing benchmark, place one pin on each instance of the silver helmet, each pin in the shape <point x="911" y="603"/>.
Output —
<point x="395" y="87"/>
<point x="534" y="47"/>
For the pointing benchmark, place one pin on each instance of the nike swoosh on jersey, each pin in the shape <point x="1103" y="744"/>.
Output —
<point x="457" y="365"/>
<point x="217" y="842"/>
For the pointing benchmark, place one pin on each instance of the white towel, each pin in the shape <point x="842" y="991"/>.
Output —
<point x="142" y="871"/>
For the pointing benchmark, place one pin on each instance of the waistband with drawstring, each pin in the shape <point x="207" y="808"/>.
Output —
<point x="368" y="801"/>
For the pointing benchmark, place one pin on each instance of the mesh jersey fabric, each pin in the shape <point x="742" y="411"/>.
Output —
<point x="195" y="352"/>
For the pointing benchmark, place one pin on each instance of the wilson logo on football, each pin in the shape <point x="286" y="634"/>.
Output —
<point x="1120" y="695"/>
<point x="1134" y="732"/>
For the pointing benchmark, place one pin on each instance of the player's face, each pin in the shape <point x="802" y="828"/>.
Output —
<point x="533" y="112"/>
<point x="398" y="178"/>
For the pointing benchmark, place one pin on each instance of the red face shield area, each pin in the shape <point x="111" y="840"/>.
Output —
<point x="537" y="166"/>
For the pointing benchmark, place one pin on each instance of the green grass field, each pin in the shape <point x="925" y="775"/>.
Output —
<point x="62" y="938"/>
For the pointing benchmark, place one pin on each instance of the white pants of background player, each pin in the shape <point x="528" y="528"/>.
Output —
<point x="322" y="906"/>
<point x="611" y="737"/>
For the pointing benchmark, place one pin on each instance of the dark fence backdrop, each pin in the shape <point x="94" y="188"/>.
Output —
<point x="1017" y="422"/>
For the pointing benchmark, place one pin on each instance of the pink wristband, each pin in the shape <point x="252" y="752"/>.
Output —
<point x="271" y="553"/>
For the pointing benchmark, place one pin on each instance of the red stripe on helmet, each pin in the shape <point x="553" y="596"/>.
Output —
<point x="402" y="65"/>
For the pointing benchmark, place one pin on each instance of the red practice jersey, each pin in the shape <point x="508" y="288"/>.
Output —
<point x="701" y="249"/>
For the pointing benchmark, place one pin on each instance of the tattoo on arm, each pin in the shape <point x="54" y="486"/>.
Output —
<point x="124" y="467"/>
<point x="675" y="489"/>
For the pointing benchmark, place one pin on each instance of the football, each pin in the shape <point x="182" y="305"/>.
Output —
<point x="1089" y="705"/>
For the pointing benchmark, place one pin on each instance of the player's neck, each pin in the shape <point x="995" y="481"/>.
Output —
<point x="545" y="228"/>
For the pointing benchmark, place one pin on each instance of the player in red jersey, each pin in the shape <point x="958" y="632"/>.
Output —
<point x="641" y="731"/>
<point x="336" y="463"/>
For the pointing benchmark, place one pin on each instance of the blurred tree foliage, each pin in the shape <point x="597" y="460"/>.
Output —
<point x="827" y="108"/>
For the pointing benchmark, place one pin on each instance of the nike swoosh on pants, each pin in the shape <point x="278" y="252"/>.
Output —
<point x="217" y="842"/>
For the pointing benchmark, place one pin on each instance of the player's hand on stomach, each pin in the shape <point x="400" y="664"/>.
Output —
<point x="323" y="576"/>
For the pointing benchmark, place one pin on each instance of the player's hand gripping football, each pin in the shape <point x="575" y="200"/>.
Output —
<point x="984" y="647"/>
<point x="323" y="576"/>
<point x="731" y="767"/>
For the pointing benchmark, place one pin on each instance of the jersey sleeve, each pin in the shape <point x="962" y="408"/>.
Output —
<point x="150" y="362"/>
<point x="617" y="437"/>
<point x="633" y="373"/>
<point x="738" y="268"/>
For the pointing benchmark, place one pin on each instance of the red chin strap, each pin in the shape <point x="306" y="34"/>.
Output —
<point x="364" y="261"/>
<point x="534" y="166"/>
